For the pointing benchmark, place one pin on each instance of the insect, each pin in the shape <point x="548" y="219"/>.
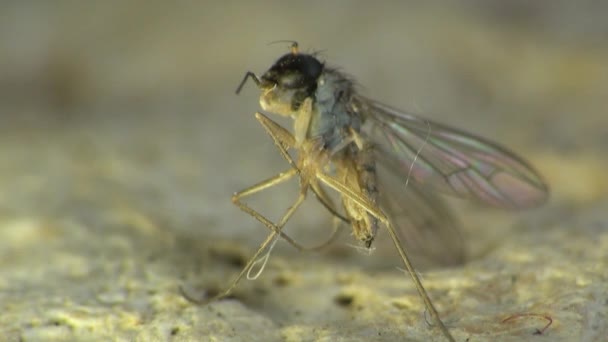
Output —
<point x="347" y="143"/>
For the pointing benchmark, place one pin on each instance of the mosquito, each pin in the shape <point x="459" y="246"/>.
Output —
<point x="345" y="142"/>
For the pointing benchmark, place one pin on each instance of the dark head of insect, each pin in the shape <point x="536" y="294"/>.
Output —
<point x="288" y="82"/>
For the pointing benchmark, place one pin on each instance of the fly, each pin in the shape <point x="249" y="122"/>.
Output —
<point x="350" y="144"/>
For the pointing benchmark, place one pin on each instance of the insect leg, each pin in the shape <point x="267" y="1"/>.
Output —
<point x="276" y="229"/>
<point x="326" y="201"/>
<point x="329" y="205"/>
<point x="263" y="185"/>
<point x="323" y="198"/>
<point x="374" y="211"/>
<point x="235" y="281"/>
<point x="283" y="140"/>
<point x="281" y="137"/>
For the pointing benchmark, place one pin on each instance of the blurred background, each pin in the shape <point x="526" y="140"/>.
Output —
<point x="121" y="137"/>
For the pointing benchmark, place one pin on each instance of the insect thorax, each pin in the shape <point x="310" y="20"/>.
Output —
<point x="332" y="117"/>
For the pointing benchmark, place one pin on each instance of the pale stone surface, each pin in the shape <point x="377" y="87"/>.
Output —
<point x="121" y="142"/>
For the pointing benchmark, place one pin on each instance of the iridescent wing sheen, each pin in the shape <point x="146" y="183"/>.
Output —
<point x="450" y="160"/>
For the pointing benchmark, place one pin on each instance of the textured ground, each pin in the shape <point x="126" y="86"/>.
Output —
<point x="121" y="142"/>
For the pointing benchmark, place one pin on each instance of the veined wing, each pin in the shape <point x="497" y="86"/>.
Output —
<point x="450" y="160"/>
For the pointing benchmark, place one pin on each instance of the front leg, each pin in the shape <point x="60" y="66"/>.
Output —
<point x="281" y="137"/>
<point x="302" y="121"/>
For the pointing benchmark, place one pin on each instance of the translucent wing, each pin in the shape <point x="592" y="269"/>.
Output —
<point x="450" y="160"/>
<point x="423" y="221"/>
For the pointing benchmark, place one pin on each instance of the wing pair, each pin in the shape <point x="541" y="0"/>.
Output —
<point x="427" y="155"/>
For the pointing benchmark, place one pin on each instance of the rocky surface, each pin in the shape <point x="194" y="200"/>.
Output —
<point x="121" y="142"/>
